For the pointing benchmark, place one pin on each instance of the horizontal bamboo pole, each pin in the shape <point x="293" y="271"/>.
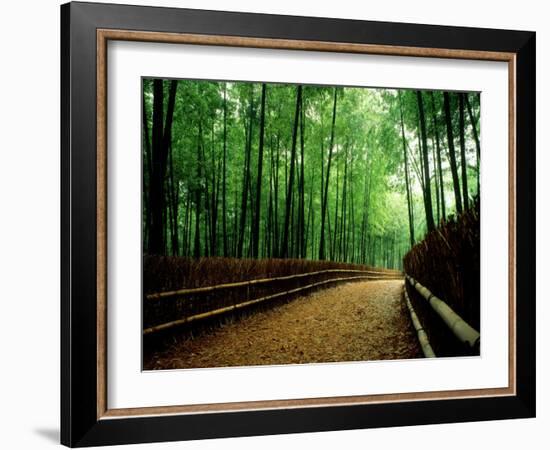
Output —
<point x="422" y="336"/>
<point x="205" y="289"/>
<point x="462" y="330"/>
<point x="216" y="312"/>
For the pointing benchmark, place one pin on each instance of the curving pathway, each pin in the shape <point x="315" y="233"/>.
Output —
<point x="356" y="321"/>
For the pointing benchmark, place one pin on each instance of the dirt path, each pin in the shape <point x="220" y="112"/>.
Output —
<point x="352" y="322"/>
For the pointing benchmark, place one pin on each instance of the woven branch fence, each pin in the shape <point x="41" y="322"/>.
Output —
<point x="447" y="262"/>
<point x="169" y="309"/>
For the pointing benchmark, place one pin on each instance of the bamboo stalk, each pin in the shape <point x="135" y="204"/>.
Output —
<point x="204" y="289"/>
<point x="216" y="312"/>
<point x="421" y="334"/>
<point x="462" y="330"/>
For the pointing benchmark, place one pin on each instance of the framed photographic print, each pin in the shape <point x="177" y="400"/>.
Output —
<point x="276" y="224"/>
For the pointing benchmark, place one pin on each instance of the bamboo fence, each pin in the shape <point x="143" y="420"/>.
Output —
<point x="170" y="309"/>
<point x="460" y="328"/>
<point x="423" y="339"/>
<point x="179" y="292"/>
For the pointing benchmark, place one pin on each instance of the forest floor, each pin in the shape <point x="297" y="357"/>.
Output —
<point x="356" y="321"/>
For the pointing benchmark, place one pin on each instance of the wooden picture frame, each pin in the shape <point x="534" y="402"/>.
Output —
<point x="86" y="418"/>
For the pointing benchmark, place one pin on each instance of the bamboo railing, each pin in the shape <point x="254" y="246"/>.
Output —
<point x="421" y="334"/>
<point x="462" y="330"/>
<point x="169" y="294"/>
<point x="178" y="299"/>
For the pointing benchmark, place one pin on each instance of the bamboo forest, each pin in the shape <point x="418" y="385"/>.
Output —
<point x="266" y="203"/>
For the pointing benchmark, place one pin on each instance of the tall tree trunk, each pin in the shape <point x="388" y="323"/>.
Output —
<point x="351" y="221"/>
<point x="292" y="228"/>
<point x="436" y="181"/>
<point x="256" y="227"/>
<point x="322" y="185"/>
<point x="167" y="148"/>
<point x="342" y="240"/>
<point x="213" y="200"/>
<point x="252" y="208"/>
<point x="275" y="250"/>
<point x="197" y="242"/>
<point x="427" y="184"/>
<point x="162" y="136"/>
<point x="148" y="171"/>
<point x="185" y="228"/>
<point x="309" y="223"/>
<point x="224" y="174"/>
<point x="473" y="123"/>
<point x="301" y="208"/>
<point x="365" y="219"/>
<point x="407" y="182"/>
<point x="325" y="195"/>
<point x="330" y="233"/>
<point x="285" y="248"/>
<point x="334" y="248"/>
<point x="207" y="202"/>
<point x="235" y="232"/>
<point x="246" y="176"/>
<point x="474" y="133"/>
<point x="174" y="193"/>
<point x="216" y="179"/>
<point x="452" y="156"/>
<point x="463" y="163"/>
<point x="269" y="233"/>
<point x="438" y="146"/>
<point x="156" y="241"/>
